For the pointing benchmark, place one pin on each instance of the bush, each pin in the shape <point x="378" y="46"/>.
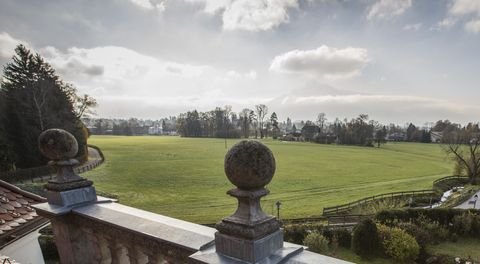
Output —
<point x="475" y="231"/>
<point x="343" y="236"/>
<point x="398" y="244"/>
<point x="294" y="233"/>
<point x="365" y="239"/>
<point x="422" y="237"/>
<point x="316" y="242"/>
<point x="462" y="224"/>
<point x="444" y="216"/>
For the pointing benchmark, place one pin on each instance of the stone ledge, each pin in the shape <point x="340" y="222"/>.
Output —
<point x="158" y="227"/>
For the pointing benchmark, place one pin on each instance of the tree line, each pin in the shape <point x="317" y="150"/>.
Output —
<point x="224" y="123"/>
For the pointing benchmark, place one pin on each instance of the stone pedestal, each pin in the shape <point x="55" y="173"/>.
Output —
<point x="72" y="197"/>
<point x="248" y="250"/>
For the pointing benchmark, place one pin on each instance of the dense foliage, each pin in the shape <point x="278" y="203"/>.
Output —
<point x="398" y="244"/>
<point x="365" y="241"/>
<point x="35" y="99"/>
<point x="316" y="242"/>
<point x="443" y="216"/>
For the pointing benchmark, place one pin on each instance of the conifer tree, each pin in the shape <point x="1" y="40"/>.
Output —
<point x="37" y="99"/>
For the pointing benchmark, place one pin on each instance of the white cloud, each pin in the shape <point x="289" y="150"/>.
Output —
<point x="473" y="26"/>
<point x="212" y="6"/>
<point x="388" y="8"/>
<point x="251" y="75"/>
<point x="256" y="15"/>
<point x="412" y="27"/>
<point x="250" y="15"/>
<point x="8" y="44"/>
<point x="150" y="5"/>
<point x="323" y="62"/>
<point x="462" y="10"/>
<point x="465" y="7"/>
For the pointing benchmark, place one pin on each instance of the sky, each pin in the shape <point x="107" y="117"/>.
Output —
<point x="398" y="61"/>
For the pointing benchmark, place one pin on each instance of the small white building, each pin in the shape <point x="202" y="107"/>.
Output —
<point x="155" y="130"/>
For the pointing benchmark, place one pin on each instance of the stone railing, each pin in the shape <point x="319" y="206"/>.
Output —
<point x="93" y="229"/>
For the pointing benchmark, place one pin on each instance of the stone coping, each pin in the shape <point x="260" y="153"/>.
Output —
<point x="158" y="227"/>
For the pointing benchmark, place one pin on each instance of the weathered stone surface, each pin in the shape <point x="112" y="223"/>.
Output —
<point x="251" y="251"/>
<point x="249" y="221"/>
<point x="249" y="165"/>
<point x="72" y="197"/>
<point x="57" y="144"/>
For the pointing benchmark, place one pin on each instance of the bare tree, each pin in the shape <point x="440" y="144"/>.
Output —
<point x="465" y="150"/>
<point x="321" y="120"/>
<point x="262" y="111"/>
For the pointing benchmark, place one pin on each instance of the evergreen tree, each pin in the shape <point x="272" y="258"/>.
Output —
<point x="36" y="99"/>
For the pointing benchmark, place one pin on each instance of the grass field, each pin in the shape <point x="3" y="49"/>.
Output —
<point x="184" y="178"/>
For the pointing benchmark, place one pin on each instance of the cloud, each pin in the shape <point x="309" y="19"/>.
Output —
<point x="473" y="26"/>
<point x="464" y="7"/>
<point x="323" y="62"/>
<point x="252" y="75"/>
<point x="383" y="9"/>
<point x="8" y="44"/>
<point x="462" y="10"/>
<point x="412" y="27"/>
<point x="249" y="15"/>
<point x="212" y="6"/>
<point x="149" y="4"/>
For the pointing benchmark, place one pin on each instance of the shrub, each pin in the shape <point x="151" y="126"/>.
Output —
<point x="294" y="233"/>
<point x="444" y="216"/>
<point x="462" y="224"/>
<point x="398" y="244"/>
<point x="316" y="242"/>
<point x="365" y="239"/>
<point x="475" y="231"/>
<point x="422" y="237"/>
<point x="344" y="238"/>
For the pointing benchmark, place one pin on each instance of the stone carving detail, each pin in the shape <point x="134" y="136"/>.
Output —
<point x="249" y="165"/>
<point x="61" y="147"/>
<point x="134" y="248"/>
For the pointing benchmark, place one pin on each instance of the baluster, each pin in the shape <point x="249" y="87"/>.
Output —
<point x="100" y="247"/>
<point x="117" y="251"/>
<point x="155" y="257"/>
<point x="135" y="255"/>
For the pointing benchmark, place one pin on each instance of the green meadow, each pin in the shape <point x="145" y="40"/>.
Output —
<point x="184" y="177"/>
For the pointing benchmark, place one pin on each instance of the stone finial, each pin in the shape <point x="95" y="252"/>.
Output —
<point x="249" y="165"/>
<point x="57" y="144"/>
<point x="61" y="147"/>
<point x="249" y="234"/>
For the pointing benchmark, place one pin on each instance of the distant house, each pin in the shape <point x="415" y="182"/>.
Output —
<point x="155" y="130"/>
<point x="436" y="136"/>
<point x="396" y="136"/>
<point x="19" y="225"/>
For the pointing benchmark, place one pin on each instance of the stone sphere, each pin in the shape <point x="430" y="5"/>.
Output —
<point x="249" y="165"/>
<point x="57" y="144"/>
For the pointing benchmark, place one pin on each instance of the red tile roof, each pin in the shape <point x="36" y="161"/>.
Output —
<point x="17" y="217"/>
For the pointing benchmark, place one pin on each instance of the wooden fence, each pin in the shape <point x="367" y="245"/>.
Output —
<point x="449" y="182"/>
<point x="44" y="173"/>
<point x="343" y="208"/>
